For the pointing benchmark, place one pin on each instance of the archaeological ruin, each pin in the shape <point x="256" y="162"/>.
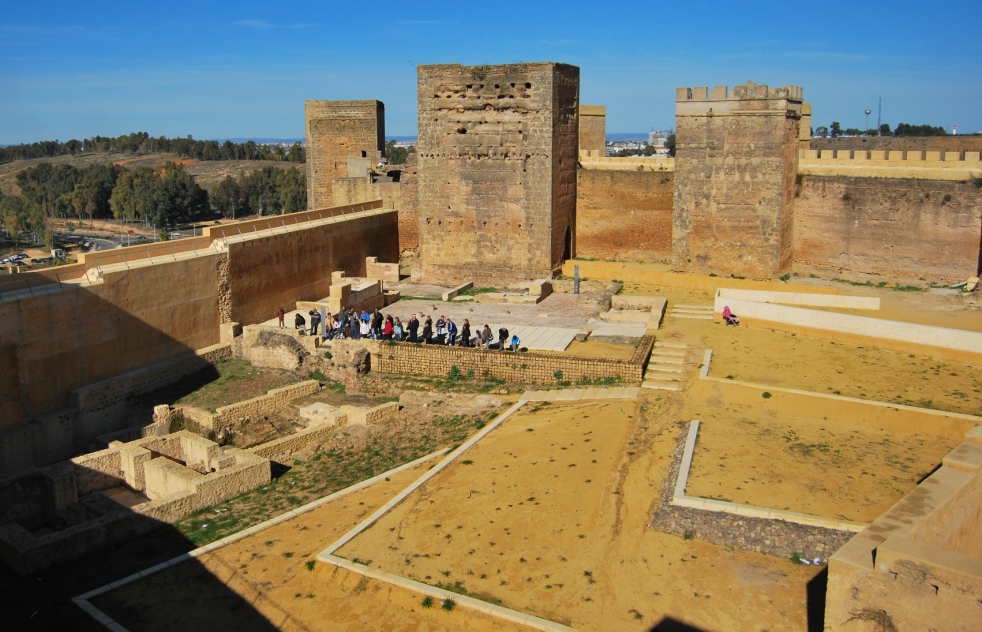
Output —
<point x="176" y="452"/>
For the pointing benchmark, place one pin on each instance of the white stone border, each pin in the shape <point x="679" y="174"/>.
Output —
<point x="82" y="601"/>
<point x="681" y="500"/>
<point x="327" y="555"/>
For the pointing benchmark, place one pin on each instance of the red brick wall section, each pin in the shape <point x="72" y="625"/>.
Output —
<point x="526" y="368"/>
<point x="899" y="229"/>
<point x="624" y="215"/>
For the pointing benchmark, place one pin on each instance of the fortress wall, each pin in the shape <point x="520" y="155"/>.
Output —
<point x="60" y="340"/>
<point x="900" y="143"/>
<point x="922" y="165"/>
<point x="623" y="214"/>
<point x="295" y="264"/>
<point x="896" y="228"/>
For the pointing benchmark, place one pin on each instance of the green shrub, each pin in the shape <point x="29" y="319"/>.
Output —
<point x="316" y="374"/>
<point x="558" y="375"/>
<point x="455" y="375"/>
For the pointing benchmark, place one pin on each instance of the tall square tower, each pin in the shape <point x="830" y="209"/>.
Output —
<point x="497" y="155"/>
<point x="736" y="162"/>
<point x="336" y="131"/>
<point x="593" y="129"/>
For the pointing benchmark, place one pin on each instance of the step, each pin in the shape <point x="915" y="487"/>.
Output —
<point x="663" y="369"/>
<point x="667" y="354"/>
<point x="683" y="306"/>
<point x="692" y="311"/>
<point x="693" y="316"/>
<point x="671" y="345"/>
<point x="663" y="377"/>
<point x="664" y="360"/>
<point x="660" y="387"/>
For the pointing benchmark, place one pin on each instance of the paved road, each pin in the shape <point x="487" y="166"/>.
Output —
<point x="103" y="244"/>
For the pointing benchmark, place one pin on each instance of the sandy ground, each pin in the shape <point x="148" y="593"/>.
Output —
<point x="594" y="349"/>
<point x="752" y="453"/>
<point x="262" y="583"/>
<point x="548" y="515"/>
<point x="812" y="364"/>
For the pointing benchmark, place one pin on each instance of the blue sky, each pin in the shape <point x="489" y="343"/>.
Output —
<point x="243" y="69"/>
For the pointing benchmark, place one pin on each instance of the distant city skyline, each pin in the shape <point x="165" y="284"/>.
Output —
<point x="235" y="70"/>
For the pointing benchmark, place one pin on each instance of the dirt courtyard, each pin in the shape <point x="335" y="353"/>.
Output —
<point x="844" y="464"/>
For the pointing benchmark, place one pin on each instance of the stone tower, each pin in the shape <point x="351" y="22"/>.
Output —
<point x="736" y="164"/>
<point x="497" y="155"/>
<point x="593" y="129"/>
<point x="336" y="131"/>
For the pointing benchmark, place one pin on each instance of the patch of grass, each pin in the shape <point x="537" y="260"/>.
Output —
<point x="766" y="395"/>
<point x="309" y="564"/>
<point x="796" y="559"/>
<point x="689" y="535"/>
<point x="785" y="277"/>
<point x="427" y="602"/>
<point x="474" y="291"/>
<point x="908" y="288"/>
<point x="316" y="374"/>
<point x="448" y="604"/>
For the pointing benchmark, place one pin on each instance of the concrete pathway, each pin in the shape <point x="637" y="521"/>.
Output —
<point x="538" y="338"/>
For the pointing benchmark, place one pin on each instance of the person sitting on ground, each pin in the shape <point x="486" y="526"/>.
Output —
<point x="502" y="338"/>
<point x="428" y="331"/>
<point x="486" y="337"/>
<point x="299" y="322"/>
<point x="465" y="334"/>
<point x="515" y="341"/>
<point x="729" y="317"/>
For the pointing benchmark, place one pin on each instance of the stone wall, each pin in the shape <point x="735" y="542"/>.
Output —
<point x="893" y="228"/>
<point x="296" y="263"/>
<point x="593" y="128"/>
<point x="527" y="368"/>
<point x="337" y="130"/>
<point x="136" y="315"/>
<point x="262" y="406"/>
<point x="735" y="168"/>
<point x="624" y="215"/>
<point x="408" y="204"/>
<point x="497" y="156"/>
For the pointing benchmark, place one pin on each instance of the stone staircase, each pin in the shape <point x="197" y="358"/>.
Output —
<point x="699" y="312"/>
<point x="667" y="367"/>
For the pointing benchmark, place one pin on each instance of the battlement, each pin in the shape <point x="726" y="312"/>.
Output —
<point x="750" y="92"/>
<point x="592" y="159"/>
<point x="930" y="165"/>
<point x="593" y="110"/>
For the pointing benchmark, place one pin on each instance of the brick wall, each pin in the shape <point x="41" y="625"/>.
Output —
<point x="624" y="215"/>
<point x="527" y="368"/>
<point x="895" y="228"/>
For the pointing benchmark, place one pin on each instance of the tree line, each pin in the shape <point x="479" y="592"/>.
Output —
<point x="141" y="142"/>
<point x="904" y="129"/>
<point x="162" y="197"/>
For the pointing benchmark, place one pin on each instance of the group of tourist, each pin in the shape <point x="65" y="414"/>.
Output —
<point x="350" y="324"/>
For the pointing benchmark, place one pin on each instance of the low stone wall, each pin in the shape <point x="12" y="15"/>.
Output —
<point x="261" y="406"/>
<point x="954" y="345"/>
<point x="801" y="299"/>
<point x="283" y="449"/>
<point x="529" y="368"/>
<point x="773" y="537"/>
<point x="249" y="472"/>
<point x="919" y="565"/>
<point x="361" y="416"/>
